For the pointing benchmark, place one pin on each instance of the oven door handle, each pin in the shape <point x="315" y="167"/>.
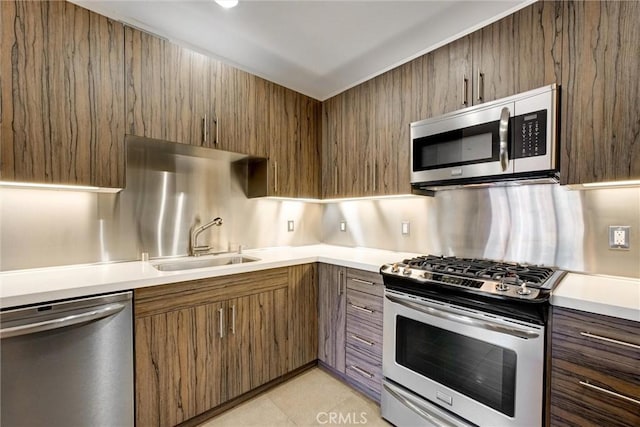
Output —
<point x="466" y="319"/>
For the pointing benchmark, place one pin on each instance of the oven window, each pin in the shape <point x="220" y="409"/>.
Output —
<point x="480" y="370"/>
<point x="475" y="144"/>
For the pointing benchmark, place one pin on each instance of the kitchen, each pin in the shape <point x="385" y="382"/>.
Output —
<point x="319" y="192"/>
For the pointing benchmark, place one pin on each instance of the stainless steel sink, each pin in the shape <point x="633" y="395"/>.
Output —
<point x="188" y="264"/>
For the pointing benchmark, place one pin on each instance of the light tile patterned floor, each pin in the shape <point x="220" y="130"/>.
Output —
<point x="313" y="398"/>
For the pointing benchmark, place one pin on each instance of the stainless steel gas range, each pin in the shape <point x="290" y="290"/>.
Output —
<point x="464" y="342"/>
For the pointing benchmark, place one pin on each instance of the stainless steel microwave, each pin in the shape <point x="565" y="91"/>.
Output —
<point x="507" y="140"/>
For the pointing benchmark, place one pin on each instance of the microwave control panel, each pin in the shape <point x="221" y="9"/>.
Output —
<point x="530" y="135"/>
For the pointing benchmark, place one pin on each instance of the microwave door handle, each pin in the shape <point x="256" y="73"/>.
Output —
<point x="503" y="132"/>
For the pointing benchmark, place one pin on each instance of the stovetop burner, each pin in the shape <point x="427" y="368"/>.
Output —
<point x="504" y="280"/>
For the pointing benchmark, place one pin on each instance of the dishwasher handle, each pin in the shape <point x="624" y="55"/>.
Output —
<point x="62" y="322"/>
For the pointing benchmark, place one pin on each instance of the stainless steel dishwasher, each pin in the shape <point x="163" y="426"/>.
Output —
<point x="68" y="363"/>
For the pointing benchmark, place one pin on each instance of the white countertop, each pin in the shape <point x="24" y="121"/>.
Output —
<point x="37" y="285"/>
<point x="607" y="295"/>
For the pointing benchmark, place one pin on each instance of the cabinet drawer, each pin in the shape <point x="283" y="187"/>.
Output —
<point x="365" y="281"/>
<point x="365" y="308"/>
<point x="364" y="337"/>
<point x="365" y="372"/>
<point x="598" y="344"/>
<point x="573" y="403"/>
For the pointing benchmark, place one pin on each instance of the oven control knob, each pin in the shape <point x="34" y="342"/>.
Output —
<point x="395" y="268"/>
<point x="406" y="271"/>
<point x="502" y="287"/>
<point x="523" y="290"/>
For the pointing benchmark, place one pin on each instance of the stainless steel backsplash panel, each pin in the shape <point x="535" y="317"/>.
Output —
<point x="541" y="224"/>
<point x="170" y="190"/>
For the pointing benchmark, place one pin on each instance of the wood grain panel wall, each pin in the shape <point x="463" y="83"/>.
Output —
<point x="62" y="95"/>
<point x="600" y="92"/>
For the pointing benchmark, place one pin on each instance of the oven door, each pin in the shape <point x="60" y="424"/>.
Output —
<point x="464" y="145"/>
<point x="483" y="368"/>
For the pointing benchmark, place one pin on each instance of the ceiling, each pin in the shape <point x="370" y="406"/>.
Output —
<point x="319" y="48"/>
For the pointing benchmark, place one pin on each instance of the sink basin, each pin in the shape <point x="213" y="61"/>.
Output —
<point x="191" y="263"/>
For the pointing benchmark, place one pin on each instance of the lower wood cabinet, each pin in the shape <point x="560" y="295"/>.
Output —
<point x="201" y="343"/>
<point x="350" y="326"/>
<point x="595" y="377"/>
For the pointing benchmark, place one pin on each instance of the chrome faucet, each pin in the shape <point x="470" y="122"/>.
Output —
<point x="194" y="248"/>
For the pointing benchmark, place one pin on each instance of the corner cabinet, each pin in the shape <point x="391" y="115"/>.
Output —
<point x="62" y="92"/>
<point x="595" y="375"/>
<point x="350" y="326"/>
<point x="600" y="92"/>
<point x="205" y="342"/>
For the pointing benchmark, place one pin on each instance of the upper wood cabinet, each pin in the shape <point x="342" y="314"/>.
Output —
<point x="294" y="143"/>
<point x="169" y="91"/>
<point x="62" y="91"/>
<point x="600" y="138"/>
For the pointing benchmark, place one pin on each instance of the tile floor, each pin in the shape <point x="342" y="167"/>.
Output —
<point x="313" y="398"/>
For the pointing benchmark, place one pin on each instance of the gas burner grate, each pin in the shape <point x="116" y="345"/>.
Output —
<point x="483" y="268"/>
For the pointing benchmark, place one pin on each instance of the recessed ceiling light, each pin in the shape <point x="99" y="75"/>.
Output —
<point x="227" y="4"/>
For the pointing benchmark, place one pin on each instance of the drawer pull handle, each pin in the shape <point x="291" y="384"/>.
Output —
<point x="611" y="340"/>
<point x="364" y="282"/>
<point x="363" y="341"/>
<point x="611" y="393"/>
<point x="357" y="307"/>
<point x="361" y="371"/>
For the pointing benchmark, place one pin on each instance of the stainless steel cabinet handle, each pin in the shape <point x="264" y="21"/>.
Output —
<point x="610" y="340"/>
<point x="340" y="291"/>
<point x="503" y="132"/>
<point x="275" y="177"/>
<point x="362" y="340"/>
<point x="465" y="90"/>
<point x="364" y="282"/>
<point x="375" y="177"/>
<point x="366" y="176"/>
<point x="233" y="319"/>
<point x="364" y="309"/>
<point x="221" y="322"/>
<point x="335" y="179"/>
<point x="62" y="322"/>
<point x="609" y="392"/>
<point x="205" y="131"/>
<point x="361" y="371"/>
<point x="215" y="120"/>
<point x="480" y="85"/>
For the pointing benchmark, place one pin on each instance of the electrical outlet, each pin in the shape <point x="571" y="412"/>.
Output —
<point x="405" y="228"/>
<point x="343" y="225"/>
<point x="290" y="225"/>
<point x="619" y="236"/>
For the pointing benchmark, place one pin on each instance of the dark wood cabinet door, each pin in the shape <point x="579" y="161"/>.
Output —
<point x="180" y="358"/>
<point x="600" y="91"/>
<point x="302" y="315"/>
<point x="493" y="64"/>
<point x="332" y="315"/>
<point x="168" y="89"/>
<point x="538" y="52"/>
<point x="257" y="340"/>
<point x="331" y="127"/>
<point x="62" y="92"/>
<point x="284" y="139"/>
<point x="448" y="77"/>
<point x="308" y="174"/>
